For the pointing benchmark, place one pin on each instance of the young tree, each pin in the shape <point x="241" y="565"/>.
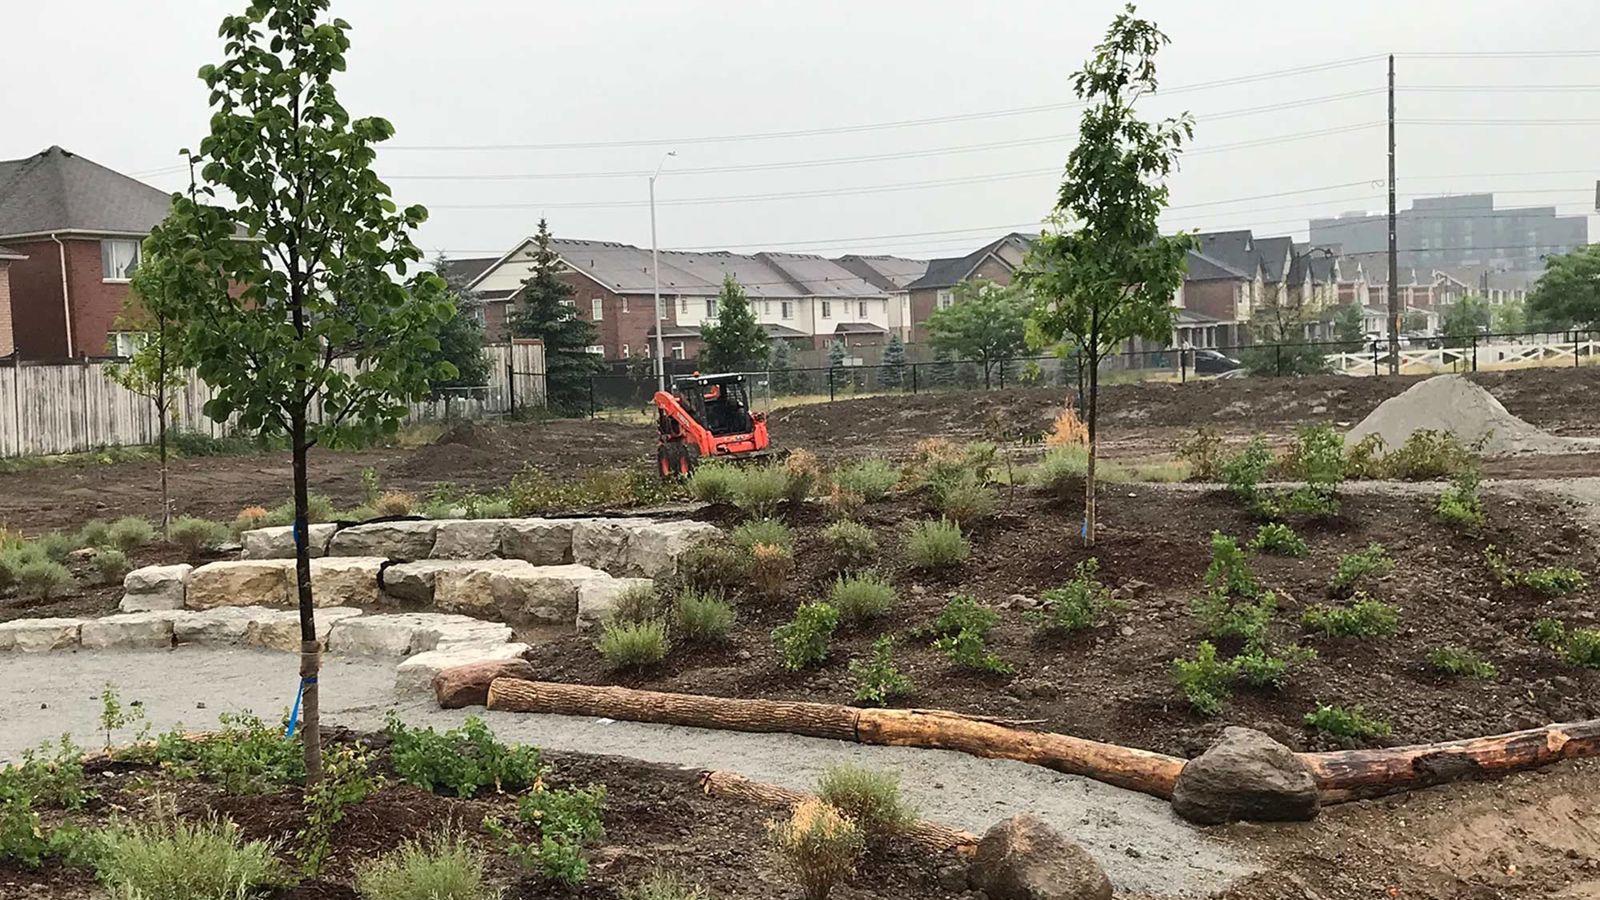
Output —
<point x="1510" y="317"/>
<point x="1466" y="318"/>
<point x="461" y="337"/>
<point x="545" y="311"/>
<point x="317" y="338"/>
<point x="736" y="342"/>
<point x="943" y="371"/>
<point x="1416" y="322"/>
<point x="1104" y="272"/>
<point x="1347" y="329"/>
<point x="894" y="363"/>
<point x="987" y="323"/>
<point x="836" y="354"/>
<point x="780" y="368"/>
<point x="1568" y="293"/>
<point x="155" y="370"/>
<point x="1279" y="327"/>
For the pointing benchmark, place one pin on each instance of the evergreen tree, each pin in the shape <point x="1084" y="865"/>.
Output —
<point x="836" y="355"/>
<point x="780" y="368"/>
<point x="545" y="311"/>
<point x="461" y="337"/>
<point x="736" y="342"/>
<point x="893" y="374"/>
<point x="943" y="371"/>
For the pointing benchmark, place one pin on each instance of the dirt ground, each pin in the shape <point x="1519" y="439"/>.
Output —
<point x="1140" y="420"/>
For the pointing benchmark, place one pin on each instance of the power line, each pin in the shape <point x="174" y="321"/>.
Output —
<point x="1498" y="54"/>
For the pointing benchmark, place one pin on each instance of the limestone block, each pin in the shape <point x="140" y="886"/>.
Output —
<point x="417" y="674"/>
<point x="653" y="549"/>
<point x="603" y="543"/>
<point x="345" y="580"/>
<point x="402" y="634"/>
<point x="469" y="538"/>
<point x="545" y="593"/>
<point x="129" y="631"/>
<point x="543" y="542"/>
<point x="468" y="586"/>
<point x="279" y="629"/>
<point x="155" y="587"/>
<point x="277" y="542"/>
<point x="597" y="597"/>
<point x="39" y="635"/>
<point x="223" y="625"/>
<point x="391" y="540"/>
<point x="263" y="582"/>
<point x="413" y="582"/>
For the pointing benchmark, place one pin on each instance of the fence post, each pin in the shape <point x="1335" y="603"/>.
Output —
<point x="1003" y="364"/>
<point x="1575" y="349"/>
<point x="1183" y="366"/>
<point x="511" y="379"/>
<point x="591" y="396"/>
<point x="913" y="379"/>
<point x="1474" y="352"/>
<point x="1277" y="355"/>
<point x="830" y="384"/>
<point x="1374" y="357"/>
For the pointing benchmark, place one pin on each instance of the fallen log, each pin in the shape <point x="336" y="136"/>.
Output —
<point x="1138" y="770"/>
<point x="922" y="834"/>
<point x="1356" y="774"/>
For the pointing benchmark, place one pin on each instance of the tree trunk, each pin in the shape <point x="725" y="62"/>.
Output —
<point x="310" y="647"/>
<point x="161" y="452"/>
<point x="812" y="719"/>
<point x="1089" y="473"/>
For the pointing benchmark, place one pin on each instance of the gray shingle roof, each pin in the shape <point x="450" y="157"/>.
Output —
<point x="1274" y="253"/>
<point x="1203" y="268"/>
<point x="819" y="276"/>
<point x="56" y="190"/>
<point x="625" y="269"/>
<point x="951" y="271"/>
<point x="887" y="273"/>
<point x="1235" y="249"/>
<point x="463" y="271"/>
<point x="859" y="328"/>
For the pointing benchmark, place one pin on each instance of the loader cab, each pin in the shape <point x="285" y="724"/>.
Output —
<point x="720" y="403"/>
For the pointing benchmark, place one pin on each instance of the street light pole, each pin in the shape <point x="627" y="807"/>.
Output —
<point x="655" y="275"/>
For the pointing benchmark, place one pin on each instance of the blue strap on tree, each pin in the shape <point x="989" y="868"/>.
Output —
<point x="294" y="714"/>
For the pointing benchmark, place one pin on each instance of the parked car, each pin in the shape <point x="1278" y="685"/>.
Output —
<point x="1212" y="362"/>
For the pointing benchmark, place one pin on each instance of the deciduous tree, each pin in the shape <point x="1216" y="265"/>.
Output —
<point x="1568" y="293"/>
<point x="735" y="342"/>
<point x="1466" y="318"/>
<point x="461" y="338"/>
<point x="986" y="323"/>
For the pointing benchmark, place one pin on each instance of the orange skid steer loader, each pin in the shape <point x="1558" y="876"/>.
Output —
<point x="707" y="417"/>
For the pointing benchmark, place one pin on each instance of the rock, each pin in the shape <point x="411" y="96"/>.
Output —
<point x="410" y="540"/>
<point x="279" y="629"/>
<point x="543" y="542"/>
<point x="223" y="625"/>
<point x="469" y="538"/>
<point x="1022" y="858"/>
<point x="240" y="583"/>
<point x="413" y="582"/>
<point x="597" y="597"/>
<point x="653" y="549"/>
<point x="39" y="635"/>
<point x="402" y="634"/>
<point x="468" y="586"/>
<point x="603" y="543"/>
<point x="345" y="580"/>
<point x="155" y="587"/>
<point x="1245" y="775"/>
<point x="461" y="677"/>
<point x="129" y="631"/>
<point x="277" y="542"/>
<point x="545" y="593"/>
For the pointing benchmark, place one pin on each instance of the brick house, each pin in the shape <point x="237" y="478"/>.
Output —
<point x="1214" y="302"/>
<point x="74" y="228"/>
<point x="996" y="261"/>
<point x="8" y="346"/>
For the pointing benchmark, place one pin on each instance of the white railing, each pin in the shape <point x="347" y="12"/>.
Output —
<point x="1501" y="355"/>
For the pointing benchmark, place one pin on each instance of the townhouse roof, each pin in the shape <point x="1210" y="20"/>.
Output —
<point x="56" y="190"/>
<point x="1235" y="249"/>
<point x="1190" y="317"/>
<point x="1274" y="253"/>
<point x="887" y="273"/>
<point x="819" y="276"/>
<point x="466" y="271"/>
<point x="951" y="271"/>
<point x="1321" y="265"/>
<point x="1202" y="267"/>
<point x="859" y="328"/>
<point x="8" y="253"/>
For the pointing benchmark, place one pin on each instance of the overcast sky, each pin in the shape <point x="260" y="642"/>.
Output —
<point x="115" y="81"/>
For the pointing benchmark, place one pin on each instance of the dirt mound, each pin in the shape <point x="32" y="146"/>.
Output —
<point x="1452" y="404"/>
<point x="476" y="435"/>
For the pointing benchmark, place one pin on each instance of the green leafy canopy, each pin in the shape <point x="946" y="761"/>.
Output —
<point x="1568" y="293"/>
<point x="985" y="322"/>
<point x="735" y="342"/>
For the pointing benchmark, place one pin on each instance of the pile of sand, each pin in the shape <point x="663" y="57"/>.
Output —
<point x="1451" y="403"/>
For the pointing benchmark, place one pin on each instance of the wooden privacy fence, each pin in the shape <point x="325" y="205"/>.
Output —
<point x="74" y="407"/>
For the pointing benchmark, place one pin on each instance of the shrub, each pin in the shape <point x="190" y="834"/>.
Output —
<point x="130" y="533"/>
<point x="346" y="780"/>
<point x="462" y="760"/>
<point x="714" y="482"/>
<point x="196" y="536"/>
<point x="759" y="490"/>
<point x="564" y="820"/>
<point x="1229" y="572"/>
<point x="249" y="518"/>
<point x="803" y="641"/>
<point x="168" y="858"/>
<point x="394" y="503"/>
<point x="628" y="645"/>
<point x="703" y="618"/>
<point x="770" y="567"/>
<point x="1244" y="470"/>
<point x="638" y="603"/>
<point x="50" y="778"/>
<point x="442" y="866"/>
<point x="95" y="533"/>
<point x="1259" y="666"/>
<point x="1279" y="540"/>
<point x="844" y="504"/>
<point x="963" y="613"/>
<point x="872" y="479"/>
<point x="968" y="649"/>
<point x="861" y="597"/>
<point x="1225" y="617"/>
<point x="851" y="544"/>
<point x="1363" y="619"/>
<point x="111" y="565"/>
<point x="877" y="679"/>
<point x="55" y="546"/>
<point x="1428" y="454"/>
<point x="318" y="509"/>
<point x="1460" y="504"/>
<point x="1081" y="603"/>
<point x="1349" y="725"/>
<point x="661" y="884"/>
<point x="762" y="531"/>
<point x="1365" y="458"/>
<point x="245" y="756"/>
<point x="24" y="839"/>
<point x="1205" y="680"/>
<point x="1203" y="453"/>
<point x="1548" y="631"/>
<point x="1553" y="581"/>
<point x="1578" y="646"/>
<point x="818" y="845"/>
<point x="868" y="797"/>
<point x="964" y="499"/>
<point x="1061" y="471"/>
<point x="41" y="579"/>
<point x="1453" y="660"/>
<point x="1315" y="456"/>
<point x="714" y="565"/>
<point x="1372" y="562"/>
<point x="802" y="473"/>
<point x="936" y="545"/>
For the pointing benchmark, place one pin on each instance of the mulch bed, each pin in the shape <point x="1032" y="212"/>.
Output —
<point x="1113" y="683"/>
<point x="654" y="816"/>
<point x="93" y="597"/>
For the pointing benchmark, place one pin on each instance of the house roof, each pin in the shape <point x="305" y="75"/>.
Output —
<point x="56" y="190"/>
<point x="1323" y="266"/>
<point x="774" y="330"/>
<point x="466" y="271"/>
<point x="859" y="328"/>
<point x="819" y="276"/>
<point x="1204" y="268"/>
<point x="8" y="253"/>
<point x="1274" y="253"/>
<point x="1236" y="249"/>
<point x="887" y="273"/>
<point x="951" y="271"/>
<point x="1190" y="317"/>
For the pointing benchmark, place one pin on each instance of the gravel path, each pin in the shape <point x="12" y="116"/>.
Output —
<point x="1145" y="848"/>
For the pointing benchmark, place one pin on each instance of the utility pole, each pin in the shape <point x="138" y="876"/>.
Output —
<point x="655" y="264"/>
<point x="1394" y="266"/>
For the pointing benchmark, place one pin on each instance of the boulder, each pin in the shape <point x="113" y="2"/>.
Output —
<point x="467" y="586"/>
<point x="1022" y="858"/>
<point x="1246" y="775"/>
<point x="263" y="582"/>
<point x="411" y="539"/>
<point x="413" y="582"/>
<point x="39" y="635"/>
<point x="603" y="543"/>
<point x="223" y="625"/>
<point x="402" y="634"/>
<point x="277" y="542"/>
<point x="279" y="629"/>
<point x="155" y="587"/>
<point x="345" y="580"/>
<point x="460" y="632"/>
<point x="469" y="538"/>
<point x="543" y="593"/>
<point x="129" y="631"/>
<point x="543" y="542"/>
<point x="597" y="597"/>
<point x="653" y="549"/>
<point x="471" y="669"/>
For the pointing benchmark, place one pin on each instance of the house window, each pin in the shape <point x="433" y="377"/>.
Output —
<point x="861" y="309"/>
<point x="624" y="304"/>
<point x="683" y="304"/>
<point x="595" y="349"/>
<point x="625" y="352"/>
<point x="597" y="309"/>
<point x="946" y="299"/>
<point x="827" y="309"/>
<point x="125" y="343"/>
<point x="118" y="259"/>
<point x="677" y="351"/>
<point x="711" y="307"/>
<point x="786" y="309"/>
<point x="766" y="307"/>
